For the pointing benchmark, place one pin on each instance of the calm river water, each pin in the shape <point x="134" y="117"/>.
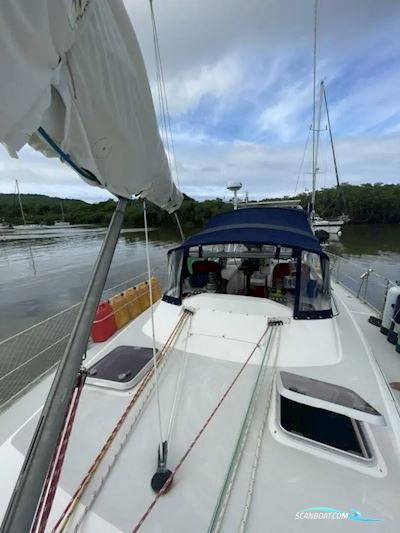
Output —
<point x="49" y="271"/>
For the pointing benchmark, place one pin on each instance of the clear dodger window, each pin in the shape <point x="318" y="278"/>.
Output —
<point x="314" y="297"/>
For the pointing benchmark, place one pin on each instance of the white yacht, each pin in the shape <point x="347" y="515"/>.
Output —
<point x="333" y="227"/>
<point x="253" y="396"/>
<point x="270" y="400"/>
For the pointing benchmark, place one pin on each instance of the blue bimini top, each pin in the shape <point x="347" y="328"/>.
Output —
<point x="280" y="226"/>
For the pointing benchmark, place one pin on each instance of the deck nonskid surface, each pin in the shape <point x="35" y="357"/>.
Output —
<point x="289" y="477"/>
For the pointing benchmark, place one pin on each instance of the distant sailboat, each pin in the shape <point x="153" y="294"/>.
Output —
<point x="25" y="225"/>
<point x="333" y="226"/>
<point x="61" y="223"/>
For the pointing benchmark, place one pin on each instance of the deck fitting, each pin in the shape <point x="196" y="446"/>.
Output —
<point x="162" y="475"/>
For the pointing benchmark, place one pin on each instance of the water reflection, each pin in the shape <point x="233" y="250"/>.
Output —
<point x="41" y="276"/>
<point x="371" y="239"/>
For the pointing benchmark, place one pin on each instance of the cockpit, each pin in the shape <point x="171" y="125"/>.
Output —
<point x="290" y="275"/>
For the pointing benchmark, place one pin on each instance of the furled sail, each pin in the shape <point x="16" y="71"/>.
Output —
<point x="74" y="68"/>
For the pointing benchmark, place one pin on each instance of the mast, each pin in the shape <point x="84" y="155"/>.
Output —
<point x="314" y="170"/>
<point x="20" y="203"/>
<point x="333" y="149"/>
<point x="62" y="212"/>
<point x="22" y="507"/>
<point x="316" y="149"/>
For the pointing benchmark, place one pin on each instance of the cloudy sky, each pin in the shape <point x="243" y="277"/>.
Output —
<point x="239" y="84"/>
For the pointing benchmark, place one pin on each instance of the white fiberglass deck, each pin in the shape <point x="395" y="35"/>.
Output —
<point x="292" y="474"/>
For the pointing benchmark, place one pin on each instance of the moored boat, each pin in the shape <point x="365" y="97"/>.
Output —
<point x="267" y="386"/>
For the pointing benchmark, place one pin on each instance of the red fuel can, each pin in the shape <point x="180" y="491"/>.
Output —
<point x="104" y="324"/>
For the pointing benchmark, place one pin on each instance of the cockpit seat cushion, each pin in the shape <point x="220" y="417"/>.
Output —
<point x="201" y="270"/>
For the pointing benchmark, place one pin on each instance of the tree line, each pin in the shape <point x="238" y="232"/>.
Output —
<point x="365" y="204"/>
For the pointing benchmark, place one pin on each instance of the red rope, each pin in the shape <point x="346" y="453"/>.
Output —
<point x="51" y="483"/>
<point x="197" y="437"/>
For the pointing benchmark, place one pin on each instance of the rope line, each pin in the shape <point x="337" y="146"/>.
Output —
<point x="113" y="460"/>
<point x="178" y="389"/>
<point x="69" y="509"/>
<point x="153" y="331"/>
<point x="198" y="435"/>
<point x="252" y="480"/>
<point x="51" y="483"/>
<point x="226" y="490"/>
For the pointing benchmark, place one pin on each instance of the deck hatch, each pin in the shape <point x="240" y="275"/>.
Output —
<point x="329" y="396"/>
<point x="325" y="427"/>
<point x="122" y="367"/>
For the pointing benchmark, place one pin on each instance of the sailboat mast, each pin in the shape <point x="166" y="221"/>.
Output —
<point x="62" y="212"/>
<point x="20" y="203"/>
<point x="317" y="136"/>
<point x="333" y="149"/>
<point x="314" y="166"/>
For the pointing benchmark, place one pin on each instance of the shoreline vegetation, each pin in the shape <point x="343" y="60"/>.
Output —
<point x="376" y="203"/>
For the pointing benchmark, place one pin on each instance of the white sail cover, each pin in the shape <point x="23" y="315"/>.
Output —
<point x="75" y="68"/>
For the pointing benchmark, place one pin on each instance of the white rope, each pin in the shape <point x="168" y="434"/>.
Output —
<point x="153" y="327"/>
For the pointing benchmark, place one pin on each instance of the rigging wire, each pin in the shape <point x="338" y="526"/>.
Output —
<point x="153" y="335"/>
<point x="164" y="108"/>
<point x="302" y="161"/>
<point x="178" y="223"/>
<point x="165" y="118"/>
<point x="333" y="149"/>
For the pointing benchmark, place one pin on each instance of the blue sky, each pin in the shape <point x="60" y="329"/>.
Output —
<point x="239" y="84"/>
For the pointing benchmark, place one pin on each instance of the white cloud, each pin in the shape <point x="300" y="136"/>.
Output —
<point x="283" y="116"/>
<point x="37" y="174"/>
<point x="272" y="171"/>
<point x="210" y="80"/>
<point x="250" y="61"/>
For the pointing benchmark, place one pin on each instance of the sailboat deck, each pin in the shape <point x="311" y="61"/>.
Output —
<point x="294" y="473"/>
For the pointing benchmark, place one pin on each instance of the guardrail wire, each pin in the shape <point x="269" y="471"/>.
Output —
<point x="29" y="355"/>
